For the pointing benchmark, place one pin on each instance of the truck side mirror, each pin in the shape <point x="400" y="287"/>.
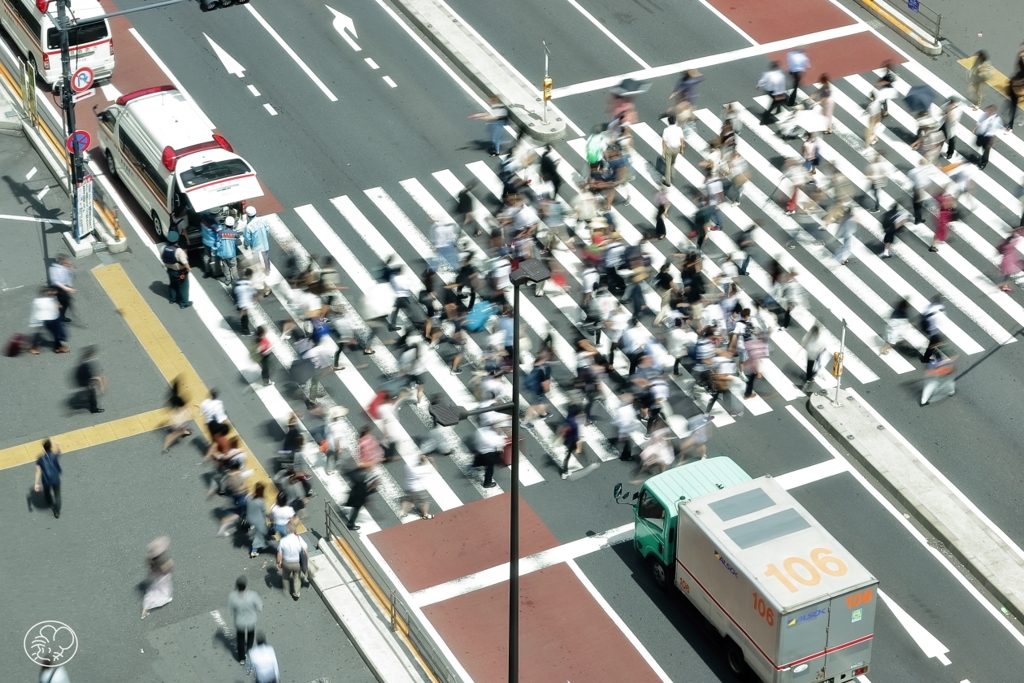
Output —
<point x="617" y="491"/>
<point x="636" y="495"/>
<point x="622" y="498"/>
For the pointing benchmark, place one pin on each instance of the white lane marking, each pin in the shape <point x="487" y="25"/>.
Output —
<point x="527" y="565"/>
<point x="253" y="90"/>
<point x="173" y="79"/>
<point x="611" y="36"/>
<point x="344" y="25"/>
<point x="812" y="473"/>
<point x="231" y="65"/>
<point x="532" y="87"/>
<point x="291" y="53"/>
<point x="373" y="64"/>
<point x="31" y="219"/>
<point x="928" y="643"/>
<point x="390" y="81"/>
<point x="728" y="22"/>
<point x="617" y="620"/>
<point x="42" y="193"/>
<point x="269" y="109"/>
<point x="400" y="588"/>
<point x="28" y="176"/>
<point x="110" y="92"/>
<point x="898" y="516"/>
<point x="711" y="60"/>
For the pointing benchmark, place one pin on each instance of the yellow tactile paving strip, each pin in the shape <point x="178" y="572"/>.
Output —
<point x="171" y="363"/>
<point x="998" y="81"/>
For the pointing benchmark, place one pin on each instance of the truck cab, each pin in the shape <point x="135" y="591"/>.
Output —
<point x="655" y="510"/>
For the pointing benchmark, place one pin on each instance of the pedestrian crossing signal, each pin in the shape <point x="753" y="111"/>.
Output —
<point x="837" y="364"/>
<point x="548" y="84"/>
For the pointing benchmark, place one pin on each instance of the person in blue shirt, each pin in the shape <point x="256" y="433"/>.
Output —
<point x="210" y="228"/>
<point x="227" y="250"/>
<point x="48" y="473"/>
<point x="257" y="236"/>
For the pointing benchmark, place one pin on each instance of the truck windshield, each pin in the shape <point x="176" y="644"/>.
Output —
<point x="215" y="170"/>
<point x="80" y="34"/>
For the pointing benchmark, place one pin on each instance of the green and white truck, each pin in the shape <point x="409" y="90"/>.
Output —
<point x="792" y="605"/>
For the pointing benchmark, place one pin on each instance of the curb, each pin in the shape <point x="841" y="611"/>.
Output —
<point x="479" y="63"/>
<point x="915" y="486"/>
<point x="897" y="21"/>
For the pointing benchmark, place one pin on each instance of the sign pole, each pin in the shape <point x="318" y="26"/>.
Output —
<point x="837" y="369"/>
<point x="68" y="104"/>
<point x="547" y="79"/>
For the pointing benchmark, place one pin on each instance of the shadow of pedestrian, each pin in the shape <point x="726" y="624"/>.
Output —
<point x="161" y="289"/>
<point x="227" y="641"/>
<point x="36" y="500"/>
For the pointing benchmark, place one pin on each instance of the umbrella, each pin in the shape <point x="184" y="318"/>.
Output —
<point x="810" y="121"/>
<point x="919" y="98"/>
<point x="630" y="87"/>
<point x="301" y="371"/>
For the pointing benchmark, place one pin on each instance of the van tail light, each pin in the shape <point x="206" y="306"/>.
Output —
<point x="46" y="62"/>
<point x="224" y="144"/>
<point x="41" y="5"/>
<point x="111" y="46"/>
<point x="860" y="671"/>
<point x="169" y="158"/>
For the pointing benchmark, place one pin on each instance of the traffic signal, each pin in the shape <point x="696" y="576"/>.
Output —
<point x="207" y="5"/>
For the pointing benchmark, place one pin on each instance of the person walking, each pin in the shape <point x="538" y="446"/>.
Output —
<point x="46" y="313"/>
<point x="898" y="325"/>
<point x="244" y="607"/>
<point x="931" y="323"/>
<point x="920" y="176"/>
<point x="798" y="64"/>
<point x="417" y="471"/>
<point x="496" y="118"/>
<point x="256" y="517"/>
<point x="175" y="260"/>
<point x="989" y="125"/>
<point x="289" y="560"/>
<point x="244" y="296"/>
<point x="824" y="98"/>
<point x="950" y="120"/>
<point x="400" y="282"/>
<point x="489" y="445"/>
<point x="773" y="83"/>
<point x="947" y="213"/>
<point x="671" y="146"/>
<point x="177" y="418"/>
<point x="979" y="73"/>
<point x="570" y="434"/>
<point x="282" y="513"/>
<point x="47" y="476"/>
<point x="263" y="662"/>
<point x="159" y="589"/>
<point x="227" y="250"/>
<point x="877" y="172"/>
<point x="62" y="278"/>
<point x="1010" y="262"/>
<point x="1015" y="88"/>
<point x="874" y="113"/>
<point x="892" y="223"/>
<point x="256" y="236"/>
<point x="813" y="345"/>
<point x="90" y="378"/>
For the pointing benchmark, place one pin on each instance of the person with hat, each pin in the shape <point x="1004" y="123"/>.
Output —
<point x="175" y="260"/>
<point x="227" y="250"/>
<point x="256" y="236"/>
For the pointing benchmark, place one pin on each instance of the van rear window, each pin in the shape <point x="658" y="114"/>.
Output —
<point x="215" y="170"/>
<point x="80" y="34"/>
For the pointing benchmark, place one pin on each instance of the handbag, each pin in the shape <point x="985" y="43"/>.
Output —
<point x="659" y="165"/>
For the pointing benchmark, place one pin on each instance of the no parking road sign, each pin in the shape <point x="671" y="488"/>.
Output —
<point x="78" y="141"/>
<point x="82" y="79"/>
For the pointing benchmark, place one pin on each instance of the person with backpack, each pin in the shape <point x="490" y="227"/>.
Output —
<point x="89" y="378"/>
<point x="48" y="471"/>
<point x="175" y="260"/>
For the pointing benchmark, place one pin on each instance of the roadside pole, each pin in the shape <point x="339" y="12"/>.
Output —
<point x="837" y="365"/>
<point x="67" y="101"/>
<point x="548" y="82"/>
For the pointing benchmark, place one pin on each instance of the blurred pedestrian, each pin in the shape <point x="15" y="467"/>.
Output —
<point x="813" y="345"/>
<point x="261" y="353"/>
<point x="175" y="260"/>
<point x="946" y="215"/>
<point x="1009" y="263"/>
<point x="798" y="64"/>
<point x="988" y="126"/>
<point x="210" y="227"/>
<point x="824" y="98"/>
<point x="159" y="588"/>
<point x="256" y="236"/>
<point x="52" y="673"/>
<point x="846" y="233"/>
<point x="874" y="113"/>
<point x="939" y="378"/>
<point x="489" y="445"/>
<point x="979" y="73"/>
<point x="62" y="278"/>
<point x="256" y="517"/>
<point x="282" y="513"/>
<point x="47" y="475"/>
<point x="417" y="472"/>
<point x="227" y="250"/>
<point x="950" y="120"/>
<point x="671" y="147"/>
<point x="244" y="295"/>
<point x="1015" y="88"/>
<point x="177" y="416"/>
<point x="773" y="84"/>
<point x="932" y="321"/>
<point x="244" y="607"/>
<point x="289" y="560"/>
<point x="90" y="378"/>
<point x="263" y="662"/>
<point x="212" y="410"/>
<point x="885" y="88"/>
<point x="496" y="118"/>
<point x="892" y="223"/>
<point x="898" y="325"/>
<point x="46" y="313"/>
<point x="570" y="434"/>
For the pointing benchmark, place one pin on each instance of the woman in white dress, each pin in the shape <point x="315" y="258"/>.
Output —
<point x="159" y="589"/>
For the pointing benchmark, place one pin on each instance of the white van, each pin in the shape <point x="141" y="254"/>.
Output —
<point x="168" y="158"/>
<point x="29" y="24"/>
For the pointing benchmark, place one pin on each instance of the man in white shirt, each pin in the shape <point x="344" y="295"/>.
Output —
<point x="988" y="127"/>
<point x="671" y="146"/>
<point x="62" y="277"/>
<point x="403" y="295"/>
<point x="797" y="63"/>
<point x="289" y="560"/>
<point x="262" y="662"/>
<point x="215" y="418"/>
<point x="442" y="235"/>
<point x="773" y="82"/>
<point x="920" y="176"/>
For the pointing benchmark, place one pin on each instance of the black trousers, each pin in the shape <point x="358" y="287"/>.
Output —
<point x="810" y="370"/>
<point x="750" y="385"/>
<point x="918" y="209"/>
<point x="92" y="395"/>
<point x="64" y="301"/>
<point x="985" y="143"/>
<point x="797" y="75"/>
<point x="265" y="367"/>
<point x="177" y="292"/>
<point x="51" y="493"/>
<point x="933" y="344"/>
<point x="773" y="108"/>
<point x="401" y="303"/>
<point x="1013" y="107"/>
<point x="244" y="638"/>
<point x="947" y="131"/>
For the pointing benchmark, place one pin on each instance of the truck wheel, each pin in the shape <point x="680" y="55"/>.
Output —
<point x="660" y="574"/>
<point x="734" y="658"/>
<point x="157" y="225"/>
<point x="110" y="164"/>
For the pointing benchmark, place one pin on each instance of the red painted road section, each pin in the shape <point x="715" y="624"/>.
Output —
<point x="565" y="635"/>
<point x="769" y="20"/>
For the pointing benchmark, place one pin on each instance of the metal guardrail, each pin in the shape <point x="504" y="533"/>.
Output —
<point x="404" y="620"/>
<point x="927" y="18"/>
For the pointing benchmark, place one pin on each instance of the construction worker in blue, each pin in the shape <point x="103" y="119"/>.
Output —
<point x="210" y="228"/>
<point x="227" y="250"/>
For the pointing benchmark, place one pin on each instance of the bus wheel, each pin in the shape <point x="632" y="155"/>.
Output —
<point x="157" y="225"/>
<point x="659" y="573"/>
<point x="734" y="658"/>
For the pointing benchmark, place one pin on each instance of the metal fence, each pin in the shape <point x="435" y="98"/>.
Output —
<point x="404" y="620"/>
<point x="927" y="18"/>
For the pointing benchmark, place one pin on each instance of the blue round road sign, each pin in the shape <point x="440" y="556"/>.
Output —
<point x="78" y="141"/>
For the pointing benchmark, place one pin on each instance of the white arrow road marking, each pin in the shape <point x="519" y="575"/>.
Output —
<point x="928" y="643"/>
<point x="229" y="62"/>
<point x="343" y="23"/>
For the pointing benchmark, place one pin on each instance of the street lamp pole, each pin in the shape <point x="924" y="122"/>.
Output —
<point x="67" y="100"/>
